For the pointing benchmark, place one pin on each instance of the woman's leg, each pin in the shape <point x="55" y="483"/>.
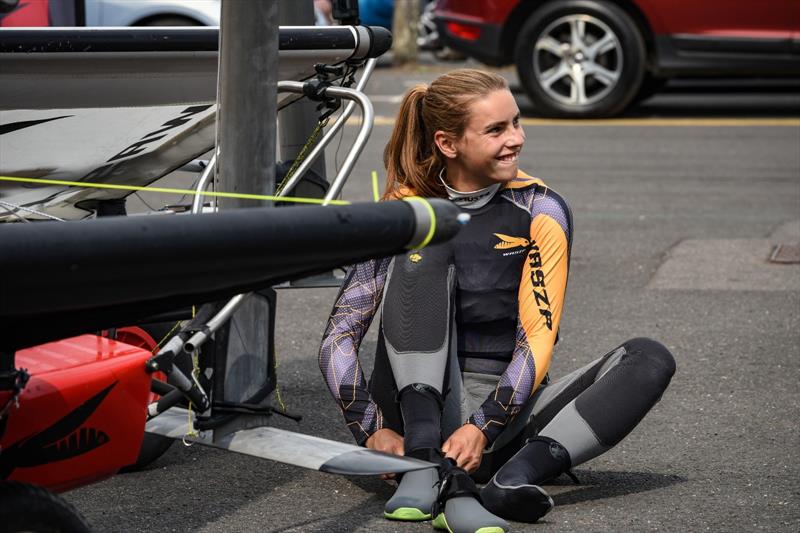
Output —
<point x="417" y="318"/>
<point x="581" y="416"/>
<point x="417" y="333"/>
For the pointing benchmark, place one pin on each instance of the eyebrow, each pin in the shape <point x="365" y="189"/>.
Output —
<point x="501" y="122"/>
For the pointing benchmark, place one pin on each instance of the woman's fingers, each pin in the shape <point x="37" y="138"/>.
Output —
<point x="466" y="461"/>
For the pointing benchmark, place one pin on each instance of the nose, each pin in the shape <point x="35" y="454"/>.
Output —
<point x="516" y="137"/>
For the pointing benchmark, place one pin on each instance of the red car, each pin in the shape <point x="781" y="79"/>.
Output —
<point x="592" y="58"/>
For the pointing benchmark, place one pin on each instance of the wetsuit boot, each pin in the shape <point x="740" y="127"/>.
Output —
<point x="417" y="491"/>
<point x="458" y="507"/>
<point x="514" y="493"/>
<point x="421" y="407"/>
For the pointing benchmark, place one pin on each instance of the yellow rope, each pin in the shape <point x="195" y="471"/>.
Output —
<point x="195" y="372"/>
<point x="277" y="388"/>
<point x="302" y="155"/>
<point x="195" y="363"/>
<point x="167" y="336"/>
<point x="375" y="194"/>
<point x="243" y="196"/>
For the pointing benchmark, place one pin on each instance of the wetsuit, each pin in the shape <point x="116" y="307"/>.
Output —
<point x="488" y="303"/>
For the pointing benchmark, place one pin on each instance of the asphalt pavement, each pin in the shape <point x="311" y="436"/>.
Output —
<point x="677" y="208"/>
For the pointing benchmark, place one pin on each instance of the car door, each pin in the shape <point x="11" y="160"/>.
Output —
<point x="724" y="36"/>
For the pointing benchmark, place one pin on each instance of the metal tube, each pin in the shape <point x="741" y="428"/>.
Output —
<point x="197" y="340"/>
<point x="368" y="118"/>
<point x="361" y="139"/>
<point x="246" y="103"/>
<point x="170" y="399"/>
<point x="173" y="345"/>
<point x="197" y="202"/>
<point x="297" y="121"/>
<point x="319" y="148"/>
<point x="355" y="96"/>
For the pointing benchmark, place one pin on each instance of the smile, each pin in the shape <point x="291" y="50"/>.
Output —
<point x="510" y="158"/>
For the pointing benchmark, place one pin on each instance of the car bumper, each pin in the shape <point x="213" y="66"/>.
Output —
<point x="474" y="39"/>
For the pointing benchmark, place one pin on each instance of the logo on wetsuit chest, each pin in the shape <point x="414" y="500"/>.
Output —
<point x="539" y="289"/>
<point x="511" y="244"/>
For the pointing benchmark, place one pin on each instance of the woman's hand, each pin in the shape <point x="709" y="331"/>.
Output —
<point x="386" y="440"/>
<point x="466" y="446"/>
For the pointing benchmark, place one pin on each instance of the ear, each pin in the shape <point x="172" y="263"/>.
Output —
<point x="445" y="144"/>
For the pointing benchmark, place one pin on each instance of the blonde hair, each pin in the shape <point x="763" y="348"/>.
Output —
<point x="411" y="157"/>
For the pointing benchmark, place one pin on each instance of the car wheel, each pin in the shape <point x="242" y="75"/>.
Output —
<point x="33" y="509"/>
<point x="580" y="59"/>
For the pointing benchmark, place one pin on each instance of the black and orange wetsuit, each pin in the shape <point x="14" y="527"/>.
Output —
<point x="511" y="266"/>
<point x="489" y="301"/>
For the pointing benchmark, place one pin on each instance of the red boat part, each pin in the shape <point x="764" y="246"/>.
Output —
<point x="81" y="416"/>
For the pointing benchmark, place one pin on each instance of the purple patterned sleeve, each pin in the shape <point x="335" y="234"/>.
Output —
<point x="512" y="391"/>
<point x="352" y="315"/>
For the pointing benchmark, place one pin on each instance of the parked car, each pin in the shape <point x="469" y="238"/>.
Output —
<point x="37" y="13"/>
<point x="593" y="58"/>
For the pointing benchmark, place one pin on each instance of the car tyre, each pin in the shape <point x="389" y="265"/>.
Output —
<point x="29" y="508"/>
<point x="580" y="59"/>
<point x="650" y="87"/>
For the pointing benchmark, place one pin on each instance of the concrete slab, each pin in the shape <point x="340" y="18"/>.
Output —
<point x="725" y="264"/>
<point x="786" y="232"/>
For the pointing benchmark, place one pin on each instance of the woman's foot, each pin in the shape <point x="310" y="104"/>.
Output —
<point x="414" y="497"/>
<point x="458" y="507"/>
<point x="517" y="502"/>
<point x="514" y="493"/>
<point x="417" y="491"/>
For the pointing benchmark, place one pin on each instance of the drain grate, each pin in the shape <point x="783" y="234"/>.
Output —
<point x="785" y="253"/>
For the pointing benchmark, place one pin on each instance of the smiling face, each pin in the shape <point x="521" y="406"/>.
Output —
<point x="488" y="151"/>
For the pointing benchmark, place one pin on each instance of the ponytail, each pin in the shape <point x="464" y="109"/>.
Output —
<point x="409" y="156"/>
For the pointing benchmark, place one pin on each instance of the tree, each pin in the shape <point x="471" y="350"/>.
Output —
<point x="404" y="31"/>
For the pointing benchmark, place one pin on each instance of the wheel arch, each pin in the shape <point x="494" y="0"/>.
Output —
<point x="145" y="21"/>
<point x="524" y="9"/>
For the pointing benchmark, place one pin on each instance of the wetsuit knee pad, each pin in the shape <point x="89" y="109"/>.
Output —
<point x="655" y="362"/>
<point x="618" y="401"/>
<point x="417" y="316"/>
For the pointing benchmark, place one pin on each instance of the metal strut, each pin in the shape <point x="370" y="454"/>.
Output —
<point x="191" y="338"/>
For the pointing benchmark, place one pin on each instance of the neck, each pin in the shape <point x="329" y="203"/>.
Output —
<point x="460" y="180"/>
<point x="473" y="199"/>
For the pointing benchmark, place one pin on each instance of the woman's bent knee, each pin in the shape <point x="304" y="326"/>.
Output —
<point x="655" y="362"/>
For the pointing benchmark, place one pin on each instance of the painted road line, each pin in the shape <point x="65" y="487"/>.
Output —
<point x="637" y="122"/>
<point x="386" y="98"/>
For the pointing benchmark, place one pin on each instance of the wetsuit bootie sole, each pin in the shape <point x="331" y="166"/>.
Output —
<point x="465" y="514"/>
<point x="414" y="497"/>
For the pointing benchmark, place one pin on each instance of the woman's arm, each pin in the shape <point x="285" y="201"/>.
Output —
<point x="352" y="314"/>
<point x="541" y="300"/>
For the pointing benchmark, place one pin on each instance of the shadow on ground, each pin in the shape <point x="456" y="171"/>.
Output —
<point x="601" y="485"/>
<point x="594" y="485"/>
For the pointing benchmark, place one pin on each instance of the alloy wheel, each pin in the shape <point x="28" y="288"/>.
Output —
<point x="577" y="60"/>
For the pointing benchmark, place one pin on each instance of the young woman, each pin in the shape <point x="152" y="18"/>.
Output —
<point x="468" y="327"/>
